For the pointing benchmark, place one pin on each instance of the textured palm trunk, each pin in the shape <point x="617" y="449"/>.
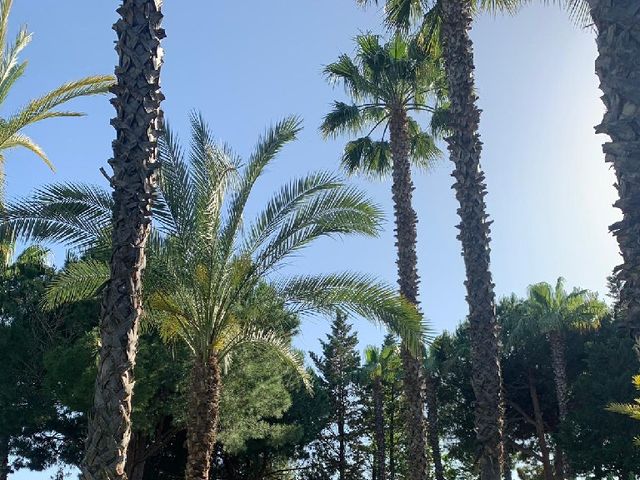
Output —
<point x="138" y="122"/>
<point x="559" y="364"/>
<point x="407" y="263"/>
<point x="542" y="441"/>
<point x="433" y="423"/>
<point x="202" y="420"/>
<point x="618" y="67"/>
<point x="378" y="407"/>
<point x="4" y="457"/>
<point x="464" y="148"/>
<point x="136" y="456"/>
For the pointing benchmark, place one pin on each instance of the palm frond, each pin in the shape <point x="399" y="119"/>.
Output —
<point x="369" y="157"/>
<point x="345" y="210"/>
<point x="273" y="342"/>
<point x="78" y="281"/>
<point x="20" y="140"/>
<point x="175" y="206"/>
<point x="34" y="255"/>
<point x="290" y="197"/>
<point x="361" y="295"/>
<point x="268" y="147"/>
<point x="72" y="213"/>
<point x="41" y="108"/>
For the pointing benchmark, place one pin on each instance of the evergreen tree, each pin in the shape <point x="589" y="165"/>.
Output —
<point x="338" y="452"/>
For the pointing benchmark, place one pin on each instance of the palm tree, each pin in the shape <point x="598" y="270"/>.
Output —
<point x="204" y="262"/>
<point x="375" y="369"/>
<point x="137" y="123"/>
<point x="38" y="109"/>
<point x="618" y="69"/>
<point x="444" y="27"/>
<point x="431" y="386"/>
<point x="551" y="312"/>
<point x="388" y="82"/>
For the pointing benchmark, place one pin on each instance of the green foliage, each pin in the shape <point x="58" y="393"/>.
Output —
<point x="382" y="79"/>
<point x="338" y="450"/>
<point x="41" y="108"/>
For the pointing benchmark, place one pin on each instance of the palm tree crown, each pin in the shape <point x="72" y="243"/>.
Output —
<point x="382" y="78"/>
<point x="203" y="256"/>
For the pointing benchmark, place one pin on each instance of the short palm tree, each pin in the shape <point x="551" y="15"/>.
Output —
<point x="41" y="108"/>
<point x="205" y="261"/>
<point x="551" y="312"/>
<point x="375" y="368"/>
<point x="388" y="83"/>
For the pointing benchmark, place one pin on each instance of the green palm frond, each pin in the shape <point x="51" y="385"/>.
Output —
<point x="380" y="79"/>
<point x="290" y="197"/>
<point x="43" y="107"/>
<point x="336" y="211"/>
<point x="34" y="255"/>
<point x="73" y="213"/>
<point x="369" y="157"/>
<point x="268" y="147"/>
<point x="551" y="308"/>
<point x="21" y="140"/>
<point x="175" y="206"/>
<point x="631" y="410"/>
<point x="78" y="281"/>
<point x="361" y="295"/>
<point x="275" y="343"/>
<point x="10" y="69"/>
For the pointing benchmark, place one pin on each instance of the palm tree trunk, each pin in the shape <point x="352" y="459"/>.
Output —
<point x="392" y="432"/>
<point x="202" y="421"/>
<point x="464" y="148"/>
<point x="378" y="407"/>
<point x="137" y="123"/>
<point x="136" y="456"/>
<point x="559" y="364"/>
<point x="618" y="67"/>
<point x="542" y="441"/>
<point x="433" y="422"/>
<point x="406" y="237"/>
<point x="4" y="457"/>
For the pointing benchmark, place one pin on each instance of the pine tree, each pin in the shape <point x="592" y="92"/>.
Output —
<point x="338" y="452"/>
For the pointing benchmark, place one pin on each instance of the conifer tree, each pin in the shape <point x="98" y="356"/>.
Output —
<point x="338" y="452"/>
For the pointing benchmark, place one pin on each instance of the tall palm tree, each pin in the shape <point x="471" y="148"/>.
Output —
<point x="375" y="369"/>
<point x="38" y="109"/>
<point x="444" y="27"/>
<point x="204" y="260"/>
<point x="137" y="123"/>
<point x="388" y="83"/>
<point x="551" y="312"/>
<point x="618" y="39"/>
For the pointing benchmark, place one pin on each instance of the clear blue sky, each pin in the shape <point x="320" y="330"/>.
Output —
<point x="247" y="64"/>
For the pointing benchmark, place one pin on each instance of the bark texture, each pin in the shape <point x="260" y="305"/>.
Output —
<point x="433" y="422"/>
<point x="378" y="407"/>
<point x="539" y="424"/>
<point x="137" y="123"/>
<point x="618" y="67"/>
<point x="136" y="456"/>
<point x="202" y="420"/>
<point x="406" y="237"/>
<point x="465" y="148"/>
<point x="559" y="365"/>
